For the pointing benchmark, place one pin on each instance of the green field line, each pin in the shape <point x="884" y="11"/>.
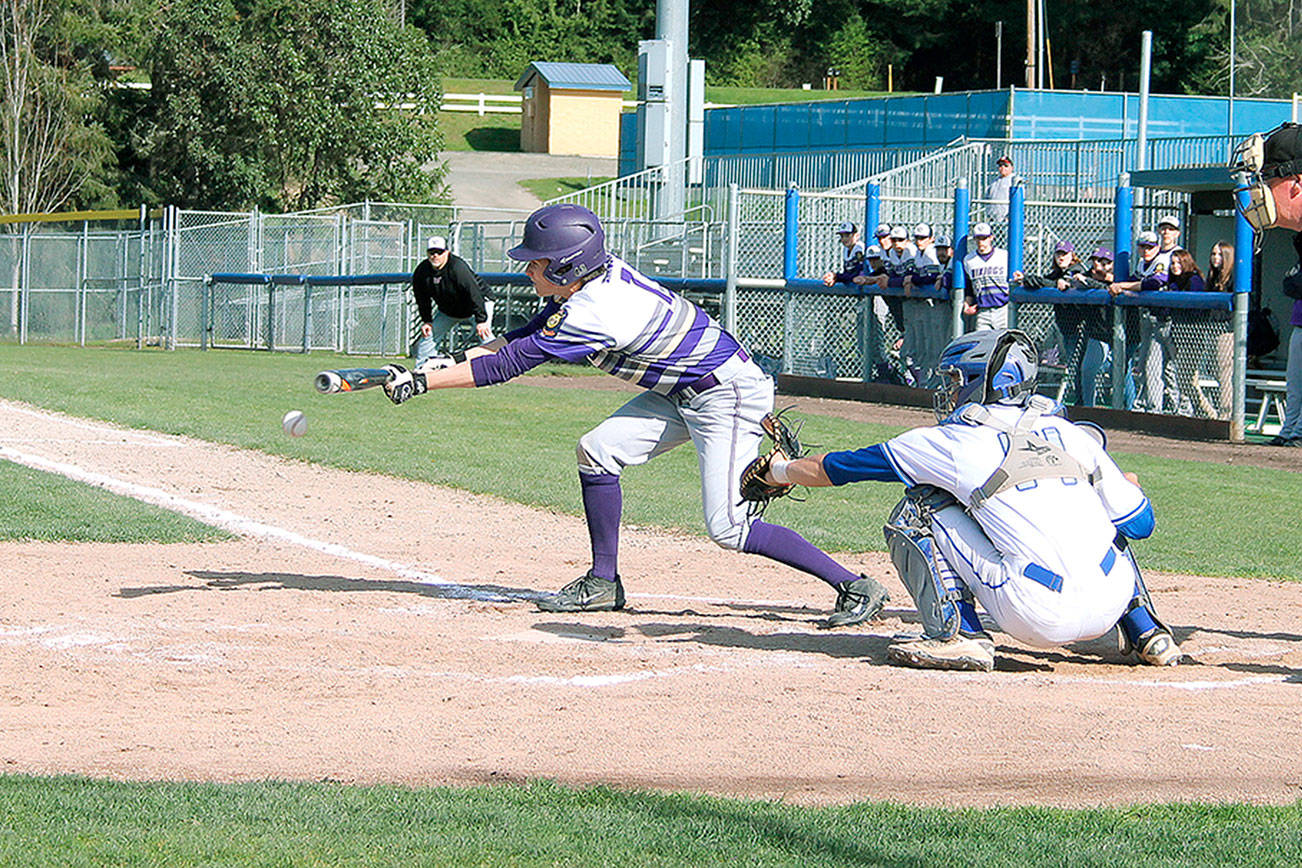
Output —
<point x="77" y="821"/>
<point x="517" y="441"/>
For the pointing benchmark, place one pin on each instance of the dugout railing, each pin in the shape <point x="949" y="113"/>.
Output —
<point x="1159" y="352"/>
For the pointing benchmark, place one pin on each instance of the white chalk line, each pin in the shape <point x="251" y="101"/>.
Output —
<point x="210" y="513"/>
<point x="235" y="523"/>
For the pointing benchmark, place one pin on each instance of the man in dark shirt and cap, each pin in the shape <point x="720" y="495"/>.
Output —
<point x="447" y="292"/>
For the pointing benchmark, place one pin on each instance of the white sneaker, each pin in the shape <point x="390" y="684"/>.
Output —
<point x="974" y="653"/>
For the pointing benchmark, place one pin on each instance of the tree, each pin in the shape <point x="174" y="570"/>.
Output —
<point x="54" y="153"/>
<point x="296" y="104"/>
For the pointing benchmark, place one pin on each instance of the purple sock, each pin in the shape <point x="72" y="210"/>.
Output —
<point x="603" y="501"/>
<point x="788" y="547"/>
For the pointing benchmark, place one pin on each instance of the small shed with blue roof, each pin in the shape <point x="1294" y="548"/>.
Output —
<point x="572" y="108"/>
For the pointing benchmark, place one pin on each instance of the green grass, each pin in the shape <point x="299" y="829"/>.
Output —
<point x="467" y="131"/>
<point x="80" y="822"/>
<point x="550" y="188"/>
<point x="517" y="442"/>
<point x="45" y="506"/>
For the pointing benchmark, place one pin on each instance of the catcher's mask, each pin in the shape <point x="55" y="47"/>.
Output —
<point x="990" y="366"/>
<point x="1259" y="159"/>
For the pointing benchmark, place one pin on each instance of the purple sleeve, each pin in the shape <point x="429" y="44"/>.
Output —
<point x="1153" y="282"/>
<point x="536" y="323"/>
<point x="510" y="361"/>
<point x="518" y="356"/>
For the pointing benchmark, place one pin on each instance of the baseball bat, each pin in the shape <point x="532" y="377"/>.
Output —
<point x="350" y="380"/>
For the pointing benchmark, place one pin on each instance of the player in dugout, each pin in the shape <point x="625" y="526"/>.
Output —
<point x="700" y="386"/>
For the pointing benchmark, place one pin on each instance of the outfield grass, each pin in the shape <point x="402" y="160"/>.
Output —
<point x="75" y="821"/>
<point x="44" y="506"/>
<point x="517" y="442"/>
<point x="550" y="188"/>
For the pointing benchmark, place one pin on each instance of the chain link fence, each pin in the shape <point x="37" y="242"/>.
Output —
<point x="144" y="281"/>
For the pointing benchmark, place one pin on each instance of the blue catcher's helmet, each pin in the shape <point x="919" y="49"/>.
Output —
<point x="986" y="367"/>
<point x="569" y="236"/>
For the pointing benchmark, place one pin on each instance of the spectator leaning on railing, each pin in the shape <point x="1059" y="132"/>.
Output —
<point x="927" y="333"/>
<point x="1161" y="384"/>
<point x="1148" y="333"/>
<point x="1187" y="326"/>
<point x="852" y="255"/>
<point x="1096" y="330"/>
<point x="1220" y="278"/>
<point x="1067" y="317"/>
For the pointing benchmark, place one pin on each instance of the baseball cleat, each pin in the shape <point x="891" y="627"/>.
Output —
<point x="858" y="601"/>
<point x="1158" y="648"/>
<point x="973" y="652"/>
<point x="587" y="593"/>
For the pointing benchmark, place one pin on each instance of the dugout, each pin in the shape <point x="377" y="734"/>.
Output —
<point x="1211" y="219"/>
<point x="571" y="108"/>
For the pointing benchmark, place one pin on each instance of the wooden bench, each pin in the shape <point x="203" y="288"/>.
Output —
<point x="1270" y="388"/>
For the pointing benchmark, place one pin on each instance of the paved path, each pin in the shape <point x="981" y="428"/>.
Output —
<point x="491" y="180"/>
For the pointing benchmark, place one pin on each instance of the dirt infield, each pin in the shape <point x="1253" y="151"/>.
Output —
<point x="346" y="637"/>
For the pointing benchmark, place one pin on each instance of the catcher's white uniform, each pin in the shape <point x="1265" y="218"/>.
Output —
<point x="1038" y="556"/>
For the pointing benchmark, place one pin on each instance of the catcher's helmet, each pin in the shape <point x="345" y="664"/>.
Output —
<point x="569" y="236"/>
<point x="991" y="366"/>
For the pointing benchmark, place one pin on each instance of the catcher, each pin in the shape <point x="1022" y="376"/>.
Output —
<point x="1008" y="504"/>
<point x="700" y="386"/>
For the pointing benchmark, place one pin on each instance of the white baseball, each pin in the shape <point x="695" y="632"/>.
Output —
<point x="294" y="423"/>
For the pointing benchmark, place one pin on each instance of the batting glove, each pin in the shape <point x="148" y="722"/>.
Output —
<point x="403" y="385"/>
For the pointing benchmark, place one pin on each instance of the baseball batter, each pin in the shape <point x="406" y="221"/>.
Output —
<point x="1009" y="505"/>
<point x="700" y="386"/>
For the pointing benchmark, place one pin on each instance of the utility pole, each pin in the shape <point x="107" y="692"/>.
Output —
<point x="999" y="55"/>
<point x="1030" y="43"/>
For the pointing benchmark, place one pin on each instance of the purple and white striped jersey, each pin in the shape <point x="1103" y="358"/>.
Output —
<point x="624" y="323"/>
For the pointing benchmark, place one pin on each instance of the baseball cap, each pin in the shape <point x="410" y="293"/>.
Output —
<point x="922" y="230"/>
<point x="1168" y="220"/>
<point x="1282" y="152"/>
<point x="437" y="242"/>
<point x="942" y="241"/>
<point x="1101" y="253"/>
<point x="1064" y="247"/>
<point x="883" y="229"/>
<point x="1148" y="238"/>
<point x="982" y="230"/>
<point x="873" y="252"/>
<point x="898" y="233"/>
<point x="846" y="226"/>
<point x="1004" y="159"/>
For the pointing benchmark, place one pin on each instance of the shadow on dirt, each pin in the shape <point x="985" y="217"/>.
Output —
<point x="229" y="581"/>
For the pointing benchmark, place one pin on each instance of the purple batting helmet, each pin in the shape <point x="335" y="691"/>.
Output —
<point x="569" y="236"/>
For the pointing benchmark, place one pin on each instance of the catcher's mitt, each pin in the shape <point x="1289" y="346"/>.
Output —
<point x="755" y="489"/>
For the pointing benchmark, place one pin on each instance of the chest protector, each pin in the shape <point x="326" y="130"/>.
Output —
<point x="1029" y="456"/>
